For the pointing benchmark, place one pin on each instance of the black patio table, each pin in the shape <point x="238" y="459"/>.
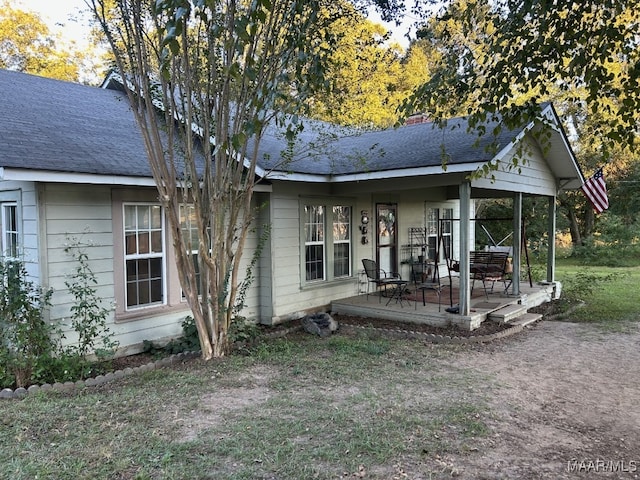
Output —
<point x="399" y="287"/>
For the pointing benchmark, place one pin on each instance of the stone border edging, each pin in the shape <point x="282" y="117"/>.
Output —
<point x="22" y="392"/>
<point x="444" y="339"/>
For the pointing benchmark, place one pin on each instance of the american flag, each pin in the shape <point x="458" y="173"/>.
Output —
<point x="596" y="191"/>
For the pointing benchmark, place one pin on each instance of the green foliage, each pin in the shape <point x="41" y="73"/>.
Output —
<point x="187" y="342"/>
<point x="242" y="330"/>
<point x="611" y="255"/>
<point x="26" y="344"/>
<point x="583" y="284"/>
<point x="88" y="316"/>
<point x="30" y="348"/>
<point x="368" y="77"/>
<point x="502" y="59"/>
<point x="29" y="46"/>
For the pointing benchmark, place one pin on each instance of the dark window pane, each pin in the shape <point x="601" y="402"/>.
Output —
<point x="314" y="262"/>
<point x="341" y="259"/>
<point x="156" y="290"/>
<point x="132" y="294"/>
<point x="130" y="244"/>
<point x="143" y="269"/>
<point x="143" y="293"/>
<point x="155" y="267"/>
<point x="156" y="241"/>
<point x="143" y="242"/>
<point x="132" y="270"/>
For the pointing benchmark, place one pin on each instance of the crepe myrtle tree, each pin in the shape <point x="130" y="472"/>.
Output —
<point x="205" y="78"/>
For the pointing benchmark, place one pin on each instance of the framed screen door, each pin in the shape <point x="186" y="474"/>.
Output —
<point x="386" y="237"/>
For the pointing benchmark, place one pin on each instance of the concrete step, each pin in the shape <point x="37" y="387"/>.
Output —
<point x="507" y="313"/>
<point x="526" y="319"/>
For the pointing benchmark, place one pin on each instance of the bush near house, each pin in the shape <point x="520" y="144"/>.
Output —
<point x="31" y="350"/>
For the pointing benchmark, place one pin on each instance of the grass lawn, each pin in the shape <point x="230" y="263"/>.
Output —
<point x="296" y="408"/>
<point x="350" y="406"/>
<point x="611" y="296"/>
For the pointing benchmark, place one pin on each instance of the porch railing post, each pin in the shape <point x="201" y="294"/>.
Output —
<point x="465" y="245"/>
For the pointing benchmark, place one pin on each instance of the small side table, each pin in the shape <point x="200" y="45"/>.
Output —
<point x="399" y="287"/>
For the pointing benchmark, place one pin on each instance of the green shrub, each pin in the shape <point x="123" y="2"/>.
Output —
<point x="30" y="348"/>
<point x="88" y="316"/>
<point x="26" y="340"/>
<point x="581" y="286"/>
<point x="187" y="342"/>
<point x="242" y="330"/>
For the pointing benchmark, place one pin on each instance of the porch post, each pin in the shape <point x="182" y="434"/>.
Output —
<point x="551" y="248"/>
<point x="465" y="228"/>
<point x="517" y="243"/>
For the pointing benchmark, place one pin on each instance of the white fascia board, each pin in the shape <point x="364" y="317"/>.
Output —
<point x="70" y="177"/>
<point x="381" y="175"/>
<point x="86" y="178"/>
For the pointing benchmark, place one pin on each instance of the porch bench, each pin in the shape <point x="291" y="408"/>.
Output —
<point x="488" y="266"/>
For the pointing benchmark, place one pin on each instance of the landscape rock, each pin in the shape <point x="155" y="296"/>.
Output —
<point x="321" y="324"/>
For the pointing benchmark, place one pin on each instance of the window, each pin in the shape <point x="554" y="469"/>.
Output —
<point x="144" y="255"/>
<point x="314" y="242"/>
<point x="439" y="221"/>
<point x="327" y="258"/>
<point x="341" y="241"/>
<point x="189" y="226"/>
<point x="447" y="230"/>
<point x="10" y="234"/>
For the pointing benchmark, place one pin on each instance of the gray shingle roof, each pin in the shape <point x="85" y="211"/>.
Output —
<point x="410" y="146"/>
<point x="65" y="127"/>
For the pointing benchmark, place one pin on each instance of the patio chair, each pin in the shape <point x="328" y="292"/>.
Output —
<point x="378" y="277"/>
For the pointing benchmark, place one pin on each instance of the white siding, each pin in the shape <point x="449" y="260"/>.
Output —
<point x="85" y="213"/>
<point x="25" y="194"/>
<point x="533" y="176"/>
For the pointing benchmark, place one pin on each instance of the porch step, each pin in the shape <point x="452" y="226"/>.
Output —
<point x="508" y="313"/>
<point x="526" y="319"/>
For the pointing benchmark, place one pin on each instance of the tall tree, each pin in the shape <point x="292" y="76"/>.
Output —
<point x="367" y="74"/>
<point x="225" y="70"/>
<point x="588" y="49"/>
<point x="27" y="45"/>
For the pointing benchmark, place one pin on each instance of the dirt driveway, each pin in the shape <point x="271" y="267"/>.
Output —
<point x="567" y="405"/>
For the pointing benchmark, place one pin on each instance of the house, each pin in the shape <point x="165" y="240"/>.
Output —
<point x="73" y="165"/>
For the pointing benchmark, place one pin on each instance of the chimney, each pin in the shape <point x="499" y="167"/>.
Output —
<point x="416" y="118"/>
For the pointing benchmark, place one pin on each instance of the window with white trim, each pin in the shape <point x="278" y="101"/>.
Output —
<point x="439" y="220"/>
<point x="314" y="242"/>
<point x="10" y="232"/>
<point x="341" y="241"/>
<point x="189" y="226"/>
<point x="327" y="257"/>
<point x="144" y="255"/>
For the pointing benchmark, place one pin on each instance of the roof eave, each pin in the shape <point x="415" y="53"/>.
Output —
<point x="375" y="175"/>
<point x="27" y="175"/>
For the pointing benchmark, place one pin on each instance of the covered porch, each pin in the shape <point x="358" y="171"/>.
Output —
<point x="494" y="306"/>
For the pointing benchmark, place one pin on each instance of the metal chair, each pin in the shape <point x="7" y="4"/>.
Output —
<point x="378" y="277"/>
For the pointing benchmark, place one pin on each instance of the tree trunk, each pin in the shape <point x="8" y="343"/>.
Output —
<point x="574" y="228"/>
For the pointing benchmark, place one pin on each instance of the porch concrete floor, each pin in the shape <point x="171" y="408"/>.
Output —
<point x="412" y="311"/>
